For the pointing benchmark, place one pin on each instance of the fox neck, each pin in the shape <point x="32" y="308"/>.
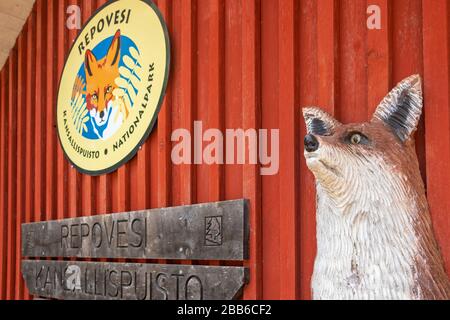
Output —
<point x="375" y="241"/>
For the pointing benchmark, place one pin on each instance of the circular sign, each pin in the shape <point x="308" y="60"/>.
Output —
<point x="112" y="85"/>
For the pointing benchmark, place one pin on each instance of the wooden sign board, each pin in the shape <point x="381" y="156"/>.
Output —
<point x="127" y="281"/>
<point x="213" y="231"/>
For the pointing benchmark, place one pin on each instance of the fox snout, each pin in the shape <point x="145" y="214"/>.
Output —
<point x="311" y="143"/>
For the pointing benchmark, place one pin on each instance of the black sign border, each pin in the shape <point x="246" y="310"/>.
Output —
<point x="150" y="128"/>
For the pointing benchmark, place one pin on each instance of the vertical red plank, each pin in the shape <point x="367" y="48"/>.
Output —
<point x="163" y="133"/>
<point x="327" y="55"/>
<point x="12" y="160"/>
<point x="5" y="176"/>
<point x="123" y="191"/>
<point x="137" y="180"/>
<point x="30" y="95"/>
<point x="353" y="61"/>
<point x="40" y="100"/>
<point x="6" y="167"/>
<point x="270" y="120"/>
<point x="3" y="184"/>
<point x="20" y="177"/>
<point x="140" y="185"/>
<point x="40" y="112"/>
<point x="378" y="58"/>
<point x="104" y="195"/>
<point x="50" y="125"/>
<point x="437" y="117"/>
<point x="233" y="91"/>
<point x="104" y="204"/>
<point x="180" y="188"/>
<point x="216" y="93"/>
<point x="315" y="88"/>
<point x="114" y="186"/>
<point x="176" y="105"/>
<point x="215" y="83"/>
<point x="406" y="38"/>
<point x="61" y="195"/>
<point x="182" y="24"/>
<point x="29" y="103"/>
<point x="186" y="87"/>
<point x="202" y="92"/>
<point x="288" y="119"/>
<point x="407" y="56"/>
<point x="251" y="118"/>
<point x="164" y="129"/>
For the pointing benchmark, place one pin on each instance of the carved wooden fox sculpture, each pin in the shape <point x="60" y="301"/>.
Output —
<point x="374" y="233"/>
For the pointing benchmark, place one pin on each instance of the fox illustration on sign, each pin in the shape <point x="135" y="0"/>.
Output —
<point x="374" y="233"/>
<point x="104" y="103"/>
<point x="101" y="75"/>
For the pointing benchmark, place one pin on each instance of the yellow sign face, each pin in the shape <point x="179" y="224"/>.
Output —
<point x="112" y="85"/>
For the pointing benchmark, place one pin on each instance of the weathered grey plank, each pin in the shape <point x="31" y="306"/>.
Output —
<point x="213" y="231"/>
<point x="127" y="281"/>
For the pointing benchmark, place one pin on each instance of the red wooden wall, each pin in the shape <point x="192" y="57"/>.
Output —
<point x="235" y="64"/>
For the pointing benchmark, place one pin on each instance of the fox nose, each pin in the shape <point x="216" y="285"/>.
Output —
<point x="102" y="114"/>
<point x="311" y="143"/>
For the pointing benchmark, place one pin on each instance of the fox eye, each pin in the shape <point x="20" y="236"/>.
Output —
<point x="94" y="97"/>
<point x="108" y="89"/>
<point x="356" y="138"/>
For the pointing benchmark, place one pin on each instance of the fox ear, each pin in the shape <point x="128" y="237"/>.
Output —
<point x="402" y="108"/>
<point x="113" y="55"/>
<point x="89" y="61"/>
<point x="319" y="122"/>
